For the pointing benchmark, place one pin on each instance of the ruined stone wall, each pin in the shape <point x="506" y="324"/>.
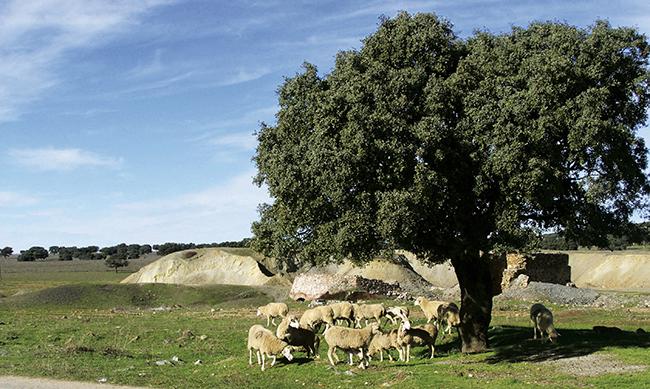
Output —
<point x="551" y="268"/>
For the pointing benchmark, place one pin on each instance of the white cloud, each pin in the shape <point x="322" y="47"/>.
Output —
<point x="52" y="159"/>
<point x="245" y="76"/>
<point x="220" y="212"/>
<point x="235" y="141"/>
<point x="35" y="35"/>
<point x="13" y="199"/>
<point x="155" y="66"/>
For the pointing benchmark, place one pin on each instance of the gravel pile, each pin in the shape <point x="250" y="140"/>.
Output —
<point x="558" y="294"/>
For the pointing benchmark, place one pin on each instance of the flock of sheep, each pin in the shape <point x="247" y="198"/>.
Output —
<point x="293" y="332"/>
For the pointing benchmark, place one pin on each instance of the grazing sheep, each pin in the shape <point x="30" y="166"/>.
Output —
<point x="542" y="320"/>
<point x="368" y="311"/>
<point x="450" y="314"/>
<point x="289" y="331"/>
<point x="384" y="341"/>
<point x="397" y="313"/>
<point x="351" y="340"/>
<point x="343" y="311"/>
<point x="265" y="344"/>
<point x="272" y="310"/>
<point x="416" y="336"/>
<point x="312" y="318"/>
<point x="429" y="307"/>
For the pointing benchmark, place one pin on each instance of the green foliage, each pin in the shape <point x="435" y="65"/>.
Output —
<point x="424" y="142"/>
<point x="34" y="253"/>
<point x="133" y="251"/>
<point x="6" y="251"/>
<point x="170" y="247"/>
<point x="145" y="249"/>
<point x="118" y="259"/>
<point x="557" y="242"/>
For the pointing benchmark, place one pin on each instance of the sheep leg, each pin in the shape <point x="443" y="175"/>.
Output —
<point x="363" y="363"/>
<point x="268" y="320"/>
<point x="329" y="356"/>
<point x="262" y="361"/>
<point x="351" y="361"/>
<point x="534" y="330"/>
<point x="250" y="357"/>
<point x="259" y="358"/>
<point x="273" y="321"/>
<point x="336" y="356"/>
<point x="381" y="355"/>
<point x="433" y="350"/>
<point x="408" y="353"/>
<point x="273" y="362"/>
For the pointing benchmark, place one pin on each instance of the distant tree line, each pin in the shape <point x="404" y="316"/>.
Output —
<point x="637" y="234"/>
<point x="121" y="251"/>
<point x="171" y="247"/>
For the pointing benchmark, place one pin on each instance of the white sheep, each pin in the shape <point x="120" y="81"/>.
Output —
<point x="416" y="336"/>
<point x="397" y="313"/>
<point x="450" y="314"/>
<point x="368" y="311"/>
<point x="265" y="344"/>
<point x="289" y="330"/>
<point x="429" y="307"/>
<point x="384" y="341"/>
<point x="312" y="318"/>
<point x="343" y="310"/>
<point x="351" y="340"/>
<point x="272" y="310"/>
<point x="542" y="319"/>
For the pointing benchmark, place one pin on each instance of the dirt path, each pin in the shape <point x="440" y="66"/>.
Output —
<point x="13" y="382"/>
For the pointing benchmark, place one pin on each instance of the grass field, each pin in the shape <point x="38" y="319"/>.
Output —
<point x="82" y="325"/>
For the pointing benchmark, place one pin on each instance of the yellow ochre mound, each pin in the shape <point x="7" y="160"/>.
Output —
<point x="206" y="266"/>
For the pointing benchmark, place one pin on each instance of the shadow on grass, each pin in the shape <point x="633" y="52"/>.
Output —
<point x="300" y="360"/>
<point x="515" y="344"/>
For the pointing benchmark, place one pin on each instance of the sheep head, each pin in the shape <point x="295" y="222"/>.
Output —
<point x="286" y="352"/>
<point x="374" y="329"/>
<point x="552" y="334"/>
<point x="293" y="322"/>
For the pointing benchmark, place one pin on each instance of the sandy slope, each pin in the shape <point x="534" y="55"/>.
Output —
<point x="207" y="266"/>
<point x="610" y="269"/>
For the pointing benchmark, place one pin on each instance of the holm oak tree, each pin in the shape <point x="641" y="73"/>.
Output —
<point x="457" y="149"/>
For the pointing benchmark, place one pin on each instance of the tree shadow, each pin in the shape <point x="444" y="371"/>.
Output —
<point x="515" y="344"/>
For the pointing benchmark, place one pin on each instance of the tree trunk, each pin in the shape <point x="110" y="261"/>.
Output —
<point x="473" y="272"/>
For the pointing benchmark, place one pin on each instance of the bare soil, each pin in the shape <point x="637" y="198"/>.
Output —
<point x="593" y="365"/>
<point x="13" y="382"/>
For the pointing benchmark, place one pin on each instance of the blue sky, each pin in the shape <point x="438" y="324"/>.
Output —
<point x="131" y="121"/>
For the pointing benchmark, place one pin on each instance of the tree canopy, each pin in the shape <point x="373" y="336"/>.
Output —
<point x="452" y="148"/>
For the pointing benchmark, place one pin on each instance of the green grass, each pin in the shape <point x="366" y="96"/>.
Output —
<point x="23" y="277"/>
<point x="90" y="330"/>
